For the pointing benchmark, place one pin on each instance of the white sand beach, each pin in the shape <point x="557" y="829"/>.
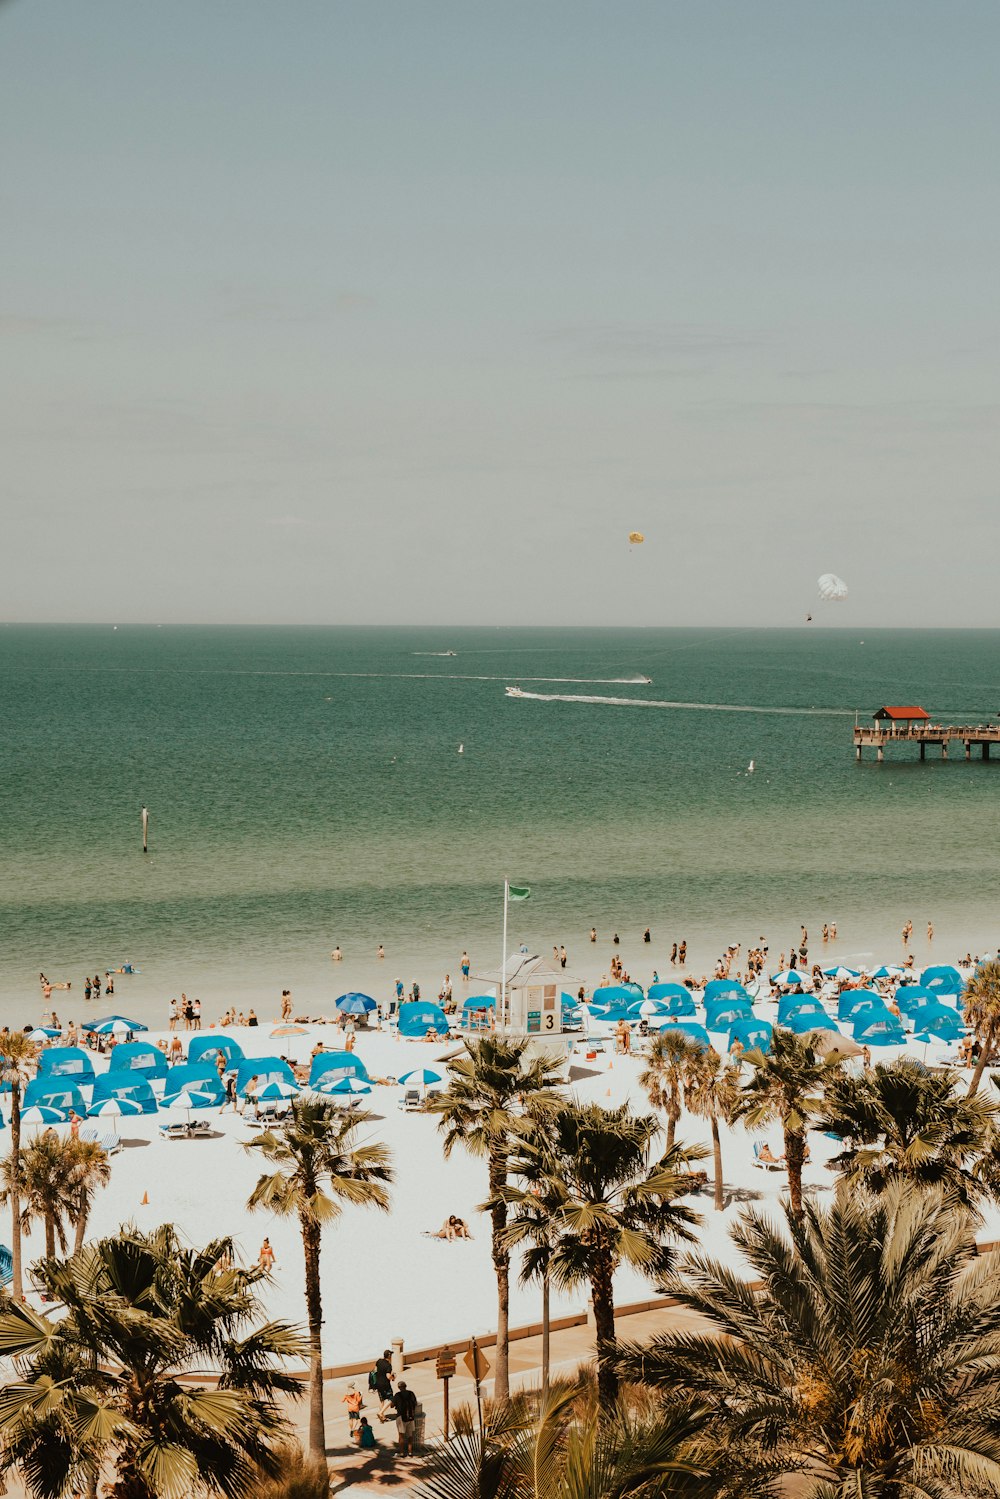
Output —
<point x="384" y="1277"/>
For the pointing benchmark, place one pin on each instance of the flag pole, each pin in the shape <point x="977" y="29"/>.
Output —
<point x="503" y="958"/>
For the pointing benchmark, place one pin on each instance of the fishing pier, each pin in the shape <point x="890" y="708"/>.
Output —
<point x="912" y="725"/>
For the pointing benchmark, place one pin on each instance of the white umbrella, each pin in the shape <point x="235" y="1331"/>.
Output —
<point x="191" y="1099"/>
<point x="114" y="1108"/>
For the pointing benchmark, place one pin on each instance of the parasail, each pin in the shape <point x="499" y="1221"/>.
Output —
<point x="635" y="537"/>
<point x="832" y="588"/>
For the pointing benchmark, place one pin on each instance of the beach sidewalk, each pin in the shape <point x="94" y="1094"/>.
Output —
<point x="356" y="1473"/>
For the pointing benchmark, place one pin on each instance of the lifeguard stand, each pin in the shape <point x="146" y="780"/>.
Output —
<point x="533" y="1007"/>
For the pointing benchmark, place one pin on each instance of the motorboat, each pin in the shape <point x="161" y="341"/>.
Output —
<point x="514" y="691"/>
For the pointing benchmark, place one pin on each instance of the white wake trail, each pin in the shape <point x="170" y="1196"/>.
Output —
<point x="648" y="702"/>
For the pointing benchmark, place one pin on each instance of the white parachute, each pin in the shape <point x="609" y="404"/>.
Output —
<point x="832" y="588"/>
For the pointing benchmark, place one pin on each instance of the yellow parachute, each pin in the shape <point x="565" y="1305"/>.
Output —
<point x="635" y="537"/>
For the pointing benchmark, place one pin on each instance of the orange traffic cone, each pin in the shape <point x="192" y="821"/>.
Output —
<point x="145" y="1200"/>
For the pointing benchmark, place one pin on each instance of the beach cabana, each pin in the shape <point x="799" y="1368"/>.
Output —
<point x="878" y="1027"/>
<point x="668" y="991"/>
<point x="752" y="1034"/>
<point x="942" y="980"/>
<point x="724" y="1015"/>
<point x="196" y="1077"/>
<point x="853" y="1000"/>
<point x="613" y="994"/>
<point x="265" y="1070"/>
<point x="328" y="1066"/>
<point x="801" y="1025"/>
<point x="129" y="1085"/>
<point x="138" y="1056"/>
<point x="207" y="1048"/>
<point x="696" y="1033"/>
<point x="792" y="1005"/>
<point x="417" y="1019"/>
<point x="941" y="1023"/>
<point x="70" y="1062"/>
<point x="53" y="1092"/>
<point x="724" y="989"/>
<point x="910" y="997"/>
<point x="678" y="1004"/>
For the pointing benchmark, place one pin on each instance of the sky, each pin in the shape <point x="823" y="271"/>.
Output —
<point x="409" y="312"/>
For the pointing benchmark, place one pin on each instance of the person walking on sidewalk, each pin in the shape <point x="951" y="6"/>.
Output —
<point x="404" y="1403"/>
<point x="383" y="1382"/>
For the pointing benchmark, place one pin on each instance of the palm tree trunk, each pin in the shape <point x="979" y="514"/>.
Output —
<point x="546" y="1335"/>
<point x="17" y="1281"/>
<point x="50" y="1237"/>
<point x="984" y="1056"/>
<point x="501" y="1266"/>
<point x="602" y="1293"/>
<point x="672" y="1117"/>
<point x="720" y="1200"/>
<point x="81" y="1228"/>
<point x="314" y="1315"/>
<point x="795" y="1156"/>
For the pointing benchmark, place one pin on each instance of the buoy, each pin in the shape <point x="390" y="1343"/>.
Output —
<point x="145" y="1200"/>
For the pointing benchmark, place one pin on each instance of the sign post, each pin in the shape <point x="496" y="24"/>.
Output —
<point x="445" y="1369"/>
<point x="478" y="1366"/>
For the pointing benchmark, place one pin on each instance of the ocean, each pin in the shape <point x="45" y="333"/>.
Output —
<point x="305" y="789"/>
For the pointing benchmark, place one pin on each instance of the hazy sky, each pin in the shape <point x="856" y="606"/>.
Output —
<point x="410" y="311"/>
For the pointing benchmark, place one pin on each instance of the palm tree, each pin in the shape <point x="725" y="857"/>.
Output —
<point x="43" y="1171"/>
<point x="982" y="1012"/>
<point x="613" y="1208"/>
<point x="320" y="1168"/>
<point x="712" y="1092"/>
<point x="900" y="1122"/>
<point x="534" y="1205"/>
<point x="88" y="1169"/>
<point x="101" y="1384"/>
<point x="560" y="1447"/>
<point x="488" y="1088"/>
<point x="672" y="1054"/>
<point x="17" y="1062"/>
<point x="867" y="1359"/>
<point x="786" y="1085"/>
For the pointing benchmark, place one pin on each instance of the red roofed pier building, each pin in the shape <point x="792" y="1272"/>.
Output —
<point x="912" y="724"/>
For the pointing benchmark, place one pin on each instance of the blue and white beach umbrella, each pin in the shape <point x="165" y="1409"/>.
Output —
<point x="888" y="971"/>
<point x="115" y="1025"/>
<point x="422" y="1075"/>
<point x="275" y="1090"/>
<point x="41" y="1113"/>
<point x="840" y="972"/>
<point x="356" y="1004"/>
<point x="345" y="1085"/>
<point x="191" y="1098"/>
<point x="789" y="978"/>
<point x="114" y="1108"/>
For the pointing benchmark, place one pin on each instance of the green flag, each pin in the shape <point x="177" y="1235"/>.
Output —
<point x="518" y="892"/>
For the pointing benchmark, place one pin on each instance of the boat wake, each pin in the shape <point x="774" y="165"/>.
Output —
<point x="648" y="702"/>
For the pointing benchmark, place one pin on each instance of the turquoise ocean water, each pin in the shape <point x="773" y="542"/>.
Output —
<point x="305" y="789"/>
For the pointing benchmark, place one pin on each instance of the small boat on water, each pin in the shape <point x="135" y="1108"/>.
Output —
<point x="645" y="681"/>
<point x="514" y="692"/>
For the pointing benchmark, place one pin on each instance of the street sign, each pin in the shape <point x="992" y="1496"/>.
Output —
<point x="476" y="1362"/>
<point x="445" y="1366"/>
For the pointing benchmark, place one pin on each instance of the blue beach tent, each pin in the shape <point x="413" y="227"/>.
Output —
<point x="791" y="1005"/>
<point x="418" y="1017"/>
<point x="911" y="997"/>
<point x="120" y="1085"/>
<point x="57" y="1092"/>
<point x="613" y="994"/>
<point x="265" y="1070"/>
<point x="678" y="1004"/>
<point x="138" y="1056"/>
<point x="878" y="1027"/>
<point x="724" y="989"/>
<point x="943" y="979"/>
<point x="724" y="1015"/>
<point x="668" y="991"/>
<point x="207" y="1047"/>
<point x="753" y="1035"/>
<point x="696" y="1033"/>
<point x="853" y="1000"/>
<point x="803" y="1024"/>
<point x="944" y="1024"/>
<point x="476" y="1011"/>
<point x="66" y="1062"/>
<point x="328" y="1066"/>
<point x="194" y="1077"/>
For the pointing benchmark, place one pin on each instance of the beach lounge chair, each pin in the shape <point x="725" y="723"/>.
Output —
<point x="109" y="1142"/>
<point x="411" y="1100"/>
<point x="763" y="1163"/>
